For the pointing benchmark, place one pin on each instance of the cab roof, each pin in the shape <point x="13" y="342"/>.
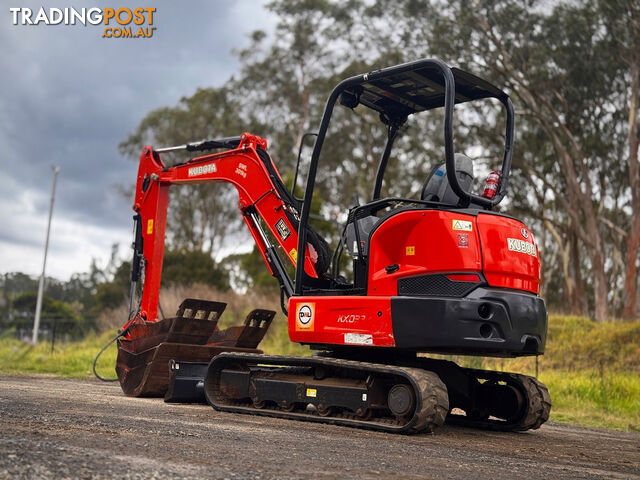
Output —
<point x="423" y="88"/>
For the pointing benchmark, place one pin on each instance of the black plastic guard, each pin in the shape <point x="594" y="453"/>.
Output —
<point x="487" y="321"/>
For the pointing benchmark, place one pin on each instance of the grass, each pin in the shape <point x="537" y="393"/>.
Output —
<point x="70" y="360"/>
<point x="592" y="369"/>
<point x="596" y="399"/>
<point x="75" y="359"/>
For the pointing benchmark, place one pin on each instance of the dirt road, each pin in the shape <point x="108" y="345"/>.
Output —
<point x="52" y="428"/>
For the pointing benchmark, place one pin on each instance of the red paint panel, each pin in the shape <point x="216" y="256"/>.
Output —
<point x="341" y="320"/>
<point x="507" y="268"/>
<point x="421" y="242"/>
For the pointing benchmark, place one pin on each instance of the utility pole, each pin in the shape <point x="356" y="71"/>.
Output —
<point x="36" y="320"/>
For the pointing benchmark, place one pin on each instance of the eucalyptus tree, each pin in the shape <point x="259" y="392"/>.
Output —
<point x="570" y="67"/>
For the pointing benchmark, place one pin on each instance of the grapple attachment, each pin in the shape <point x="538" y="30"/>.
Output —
<point x="191" y="336"/>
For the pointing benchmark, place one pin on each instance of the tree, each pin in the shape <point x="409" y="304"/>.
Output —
<point x="622" y="19"/>
<point x="183" y="267"/>
<point x="113" y="292"/>
<point x="248" y="271"/>
<point x="201" y="216"/>
<point x="54" y="312"/>
<point x="569" y="99"/>
<point x="571" y="69"/>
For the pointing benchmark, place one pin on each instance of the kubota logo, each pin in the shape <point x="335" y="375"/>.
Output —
<point x="516" y="245"/>
<point x="202" y="170"/>
<point x="304" y="316"/>
<point x="119" y="22"/>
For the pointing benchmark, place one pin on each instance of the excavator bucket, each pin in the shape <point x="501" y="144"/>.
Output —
<point x="248" y="335"/>
<point x="186" y="380"/>
<point x="144" y="358"/>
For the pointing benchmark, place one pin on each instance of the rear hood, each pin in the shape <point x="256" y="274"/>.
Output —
<point x="510" y="256"/>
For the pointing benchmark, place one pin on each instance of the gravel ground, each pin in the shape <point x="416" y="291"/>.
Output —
<point x="54" y="428"/>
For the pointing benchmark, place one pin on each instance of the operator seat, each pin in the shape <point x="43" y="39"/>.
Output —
<point x="436" y="187"/>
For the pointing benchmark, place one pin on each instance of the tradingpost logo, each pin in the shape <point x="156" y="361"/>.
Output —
<point x="118" y="22"/>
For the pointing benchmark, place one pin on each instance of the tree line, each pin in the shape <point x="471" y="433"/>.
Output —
<point x="572" y="69"/>
<point x="73" y="307"/>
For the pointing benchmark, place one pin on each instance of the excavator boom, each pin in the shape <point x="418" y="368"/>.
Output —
<point x="249" y="169"/>
<point x="149" y="344"/>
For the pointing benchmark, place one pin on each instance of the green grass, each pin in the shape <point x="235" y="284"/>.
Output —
<point x="592" y="369"/>
<point x="72" y="360"/>
<point x="276" y="341"/>
<point x="592" y="398"/>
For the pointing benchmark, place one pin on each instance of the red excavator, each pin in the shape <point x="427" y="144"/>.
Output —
<point x="442" y="273"/>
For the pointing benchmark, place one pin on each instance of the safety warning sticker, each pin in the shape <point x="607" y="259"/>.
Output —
<point x="463" y="240"/>
<point x="462" y="225"/>
<point x="282" y="229"/>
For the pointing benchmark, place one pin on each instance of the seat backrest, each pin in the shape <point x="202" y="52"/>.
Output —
<point x="364" y="226"/>
<point x="436" y="187"/>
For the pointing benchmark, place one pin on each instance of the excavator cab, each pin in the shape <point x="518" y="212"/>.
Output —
<point x="395" y="94"/>
<point x="438" y="273"/>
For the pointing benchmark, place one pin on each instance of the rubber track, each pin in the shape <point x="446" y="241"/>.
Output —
<point x="435" y="400"/>
<point x="431" y="394"/>
<point x="538" y="403"/>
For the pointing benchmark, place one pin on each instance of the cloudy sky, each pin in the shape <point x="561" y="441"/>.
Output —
<point x="69" y="96"/>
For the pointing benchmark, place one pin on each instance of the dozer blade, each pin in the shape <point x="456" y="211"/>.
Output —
<point x="186" y="382"/>
<point x="143" y="363"/>
<point x="146" y="374"/>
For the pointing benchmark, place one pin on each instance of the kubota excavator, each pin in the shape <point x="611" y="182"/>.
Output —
<point x="442" y="273"/>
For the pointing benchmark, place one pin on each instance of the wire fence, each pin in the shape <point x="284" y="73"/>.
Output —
<point x="52" y="330"/>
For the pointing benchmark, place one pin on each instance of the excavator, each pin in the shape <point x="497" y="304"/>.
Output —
<point x="440" y="274"/>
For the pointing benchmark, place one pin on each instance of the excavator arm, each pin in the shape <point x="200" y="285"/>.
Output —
<point x="147" y="345"/>
<point x="247" y="167"/>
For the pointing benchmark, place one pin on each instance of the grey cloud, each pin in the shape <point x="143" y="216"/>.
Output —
<point x="68" y="97"/>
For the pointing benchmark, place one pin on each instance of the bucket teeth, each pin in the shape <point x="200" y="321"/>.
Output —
<point x="191" y="336"/>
